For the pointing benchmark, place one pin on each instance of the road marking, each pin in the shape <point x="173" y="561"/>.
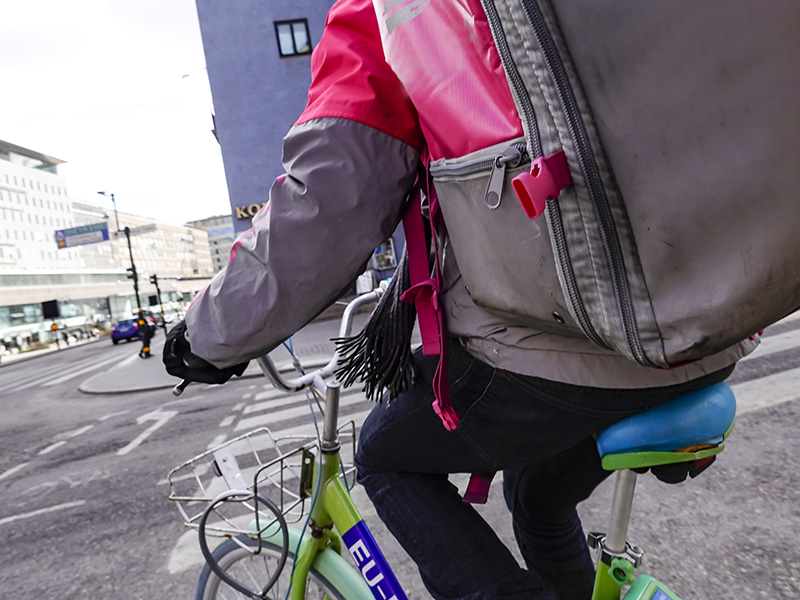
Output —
<point x="52" y="447"/>
<point x="127" y="361"/>
<point x="227" y="421"/>
<point x="215" y="442"/>
<point x="197" y="471"/>
<point x="275" y="403"/>
<point x="42" y="511"/>
<point x="159" y="416"/>
<point x="239" y="406"/>
<point x="772" y="344"/>
<point x="289" y="413"/>
<point x="73" y="374"/>
<point x="767" y="391"/>
<point x="270" y="393"/>
<point x="116" y="414"/>
<point x="12" y="470"/>
<point x="183" y="400"/>
<point x="79" y="431"/>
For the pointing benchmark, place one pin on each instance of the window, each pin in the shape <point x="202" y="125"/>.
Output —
<point x="293" y="37"/>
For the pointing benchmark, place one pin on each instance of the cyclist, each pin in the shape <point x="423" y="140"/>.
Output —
<point x="529" y="401"/>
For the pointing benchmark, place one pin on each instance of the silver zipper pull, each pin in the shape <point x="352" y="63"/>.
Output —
<point x="494" y="188"/>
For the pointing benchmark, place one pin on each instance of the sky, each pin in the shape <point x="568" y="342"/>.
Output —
<point x="118" y="90"/>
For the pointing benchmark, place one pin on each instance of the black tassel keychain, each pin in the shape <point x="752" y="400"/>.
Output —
<point x="379" y="356"/>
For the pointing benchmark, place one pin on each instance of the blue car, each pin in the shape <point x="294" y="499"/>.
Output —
<point x="128" y="329"/>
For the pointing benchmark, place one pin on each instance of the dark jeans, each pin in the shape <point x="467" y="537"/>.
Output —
<point x="539" y="433"/>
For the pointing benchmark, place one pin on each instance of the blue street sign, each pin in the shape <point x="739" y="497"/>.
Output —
<point x="85" y="234"/>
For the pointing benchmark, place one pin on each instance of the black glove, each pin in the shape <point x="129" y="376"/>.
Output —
<point x="180" y="362"/>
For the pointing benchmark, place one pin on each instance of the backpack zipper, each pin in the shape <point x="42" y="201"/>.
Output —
<point x="594" y="183"/>
<point x="554" y="214"/>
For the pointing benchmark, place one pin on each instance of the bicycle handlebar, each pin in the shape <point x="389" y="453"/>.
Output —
<point x="317" y="377"/>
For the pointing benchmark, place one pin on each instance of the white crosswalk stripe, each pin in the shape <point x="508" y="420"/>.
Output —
<point x="67" y="372"/>
<point x="76" y="372"/>
<point x="767" y="391"/>
<point x="772" y="344"/>
<point x="274" y="417"/>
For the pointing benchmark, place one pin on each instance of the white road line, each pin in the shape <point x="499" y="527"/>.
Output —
<point x="127" y="361"/>
<point x="239" y="406"/>
<point x="42" y="511"/>
<point x="772" y="344"/>
<point x="216" y="441"/>
<point x="34" y="381"/>
<point x="767" y="391"/>
<point x="227" y="421"/>
<point x="291" y="399"/>
<point x="52" y="447"/>
<point x="75" y="373"/>
<point x="79" y="431"/>
<point x="270" y="393"/>
<point x="159" y="416"/>
<point x="116" y="414"/>
<point x="289" y="413"/>
<point x="276" y="403"/>
<point x="307" y="429"/>
<point x="13" y="470"/>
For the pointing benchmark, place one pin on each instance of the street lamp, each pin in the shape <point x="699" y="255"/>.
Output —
<point x="127" y="231"/>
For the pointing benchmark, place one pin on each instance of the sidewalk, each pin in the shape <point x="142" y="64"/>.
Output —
<point x="132" y="374"/>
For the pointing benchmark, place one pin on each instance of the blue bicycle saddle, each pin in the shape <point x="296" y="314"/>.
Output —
<point x="693" y="419"/>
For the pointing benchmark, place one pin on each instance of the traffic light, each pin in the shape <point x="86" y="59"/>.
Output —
<point x="132" y="273"/>
<point x="154" y="279"/>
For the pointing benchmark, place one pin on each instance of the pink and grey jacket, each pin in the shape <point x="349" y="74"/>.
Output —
<point x="392" y="84"/>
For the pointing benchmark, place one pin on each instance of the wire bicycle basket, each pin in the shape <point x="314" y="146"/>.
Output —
<point x="280" y="469"/>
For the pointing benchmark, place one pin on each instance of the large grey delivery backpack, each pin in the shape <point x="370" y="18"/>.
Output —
<point x="680" y="125"/>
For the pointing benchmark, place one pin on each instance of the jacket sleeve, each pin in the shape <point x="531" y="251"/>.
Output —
<point x="349" y="160"/>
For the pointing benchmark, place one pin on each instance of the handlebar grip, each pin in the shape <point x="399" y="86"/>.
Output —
<point x="178" y="389"/>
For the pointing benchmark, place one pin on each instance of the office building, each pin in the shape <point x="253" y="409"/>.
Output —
<point x="88" y="282"/>
<point x="221" y="236"/>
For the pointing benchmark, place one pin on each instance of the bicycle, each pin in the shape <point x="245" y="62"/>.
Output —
<point x="687" y="432"/>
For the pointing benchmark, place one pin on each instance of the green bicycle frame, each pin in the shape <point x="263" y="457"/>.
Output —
<point x="333" y="511"/>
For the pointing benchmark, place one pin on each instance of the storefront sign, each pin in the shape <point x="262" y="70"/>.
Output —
<point x="248" y="211"/>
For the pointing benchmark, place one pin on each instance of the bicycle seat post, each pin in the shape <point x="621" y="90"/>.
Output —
<point x="330" y="438"/>
<point x="621" y="511"/>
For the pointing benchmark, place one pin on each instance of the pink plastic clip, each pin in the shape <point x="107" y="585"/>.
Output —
<point x="548" y="176"/>
<point x="447" y="414"/>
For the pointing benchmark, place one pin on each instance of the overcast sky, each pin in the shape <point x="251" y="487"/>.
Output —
<point x="118" y="90"/>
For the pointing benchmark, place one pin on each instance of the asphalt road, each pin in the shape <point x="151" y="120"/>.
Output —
<point x="83" y="496"/>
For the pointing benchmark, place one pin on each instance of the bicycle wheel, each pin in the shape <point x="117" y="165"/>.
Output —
<point x="254" y="570"/>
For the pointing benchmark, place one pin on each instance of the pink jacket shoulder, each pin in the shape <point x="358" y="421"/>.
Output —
<point x="351" y="80"/>
<point x="444" y="54"/>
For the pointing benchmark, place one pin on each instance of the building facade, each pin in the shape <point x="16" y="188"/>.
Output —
<point x="221" y="235"/>
<point x="258" y="57"/>
<point x="88" y="283"/>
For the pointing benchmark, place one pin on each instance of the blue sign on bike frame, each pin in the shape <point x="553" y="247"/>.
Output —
<point x="78" y="236"/>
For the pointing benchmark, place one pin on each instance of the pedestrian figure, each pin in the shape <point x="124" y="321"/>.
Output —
<point x="54" y="330"/>
<point x="144" y="327"/>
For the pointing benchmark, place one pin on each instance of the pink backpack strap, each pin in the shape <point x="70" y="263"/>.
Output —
<point x="478" y="488"/>
<point x="424" y="292"/>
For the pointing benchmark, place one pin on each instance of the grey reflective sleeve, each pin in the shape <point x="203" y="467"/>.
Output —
<point x="342" y="195"/>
